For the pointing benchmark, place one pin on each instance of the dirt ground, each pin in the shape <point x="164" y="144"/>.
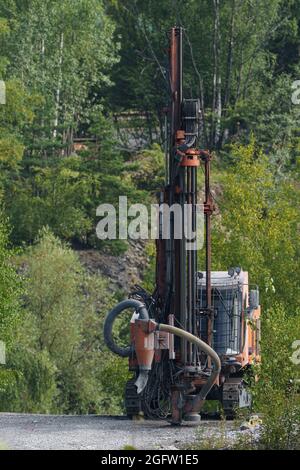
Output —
<point x="34" y="432"/>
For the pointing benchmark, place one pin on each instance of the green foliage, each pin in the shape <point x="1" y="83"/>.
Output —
<point x="53" y="196"/>
<point x="149" y="173"/>
<point x="149" y="274"/>
<point x="258" y="226"/>
<point x="275" y="391"/>
<point x="64" y="193"/>
<point x="114" y="375"/>
<point x="229" y="63"/>
<point x="60" y="62"/>
<point x="62" y="51"/>
<point x="11" y="152"/>
<point x="10" y="291"/>
<point x="14" y="116"/>
<point x="19" y="110"/>
<point x="10" y="288"/>
<point x="276" y="394"/>
<point x="32" y="386"/>
<point x="57" y="360"/>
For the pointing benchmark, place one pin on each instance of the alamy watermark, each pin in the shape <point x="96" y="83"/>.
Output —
<point x="161" y="221"/>
<point x="295" y="358"/>
<point x="2" y="92"/>
<point x="2" y="353"/>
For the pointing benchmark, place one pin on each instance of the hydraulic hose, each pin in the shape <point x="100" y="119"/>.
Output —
<point x="139" y="307"/>
<point x="142" y="312"/>
<point x="203" y="347"/>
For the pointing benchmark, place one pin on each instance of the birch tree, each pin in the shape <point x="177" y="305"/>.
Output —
<point x="64" y="51"/>
<point x="226" y="58"/>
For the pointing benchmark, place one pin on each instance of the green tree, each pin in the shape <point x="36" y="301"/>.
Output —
<point x="258" y="226"/>
<point x="56" y="196"/>
<point x="10" y="287"/>
<point x="276" y="393"/>
<point x="227" y="59"/>
<point x="63" y="52"/>
<point x="57" y="360"/>
<point x="10" y="291"/>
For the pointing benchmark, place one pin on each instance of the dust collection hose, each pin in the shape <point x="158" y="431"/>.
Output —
<point x="139" y="307"/>
<point x="203" y="347"/>
<point x="142" y="312"/>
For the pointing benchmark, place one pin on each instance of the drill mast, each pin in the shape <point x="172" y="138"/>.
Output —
<point x="191" y="338"/>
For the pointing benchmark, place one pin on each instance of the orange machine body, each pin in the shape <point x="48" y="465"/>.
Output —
<point x="236" y="323"/>
<point x="143" y="340"/>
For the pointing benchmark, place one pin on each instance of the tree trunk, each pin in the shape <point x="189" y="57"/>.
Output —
<point x="230" y="56"/>
<point x="59" y="83"/>
<point x="227" y="93"/>
<point x="239" y="82"/>
<point x="44" y="152"/>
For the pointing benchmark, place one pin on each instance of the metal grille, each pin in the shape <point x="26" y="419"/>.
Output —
<point x="227" y="304"/>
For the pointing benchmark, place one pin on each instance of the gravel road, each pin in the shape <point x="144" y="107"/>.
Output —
<point x="19" y="431"/>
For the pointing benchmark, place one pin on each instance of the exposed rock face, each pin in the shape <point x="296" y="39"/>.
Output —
<point x="123" y="271"/>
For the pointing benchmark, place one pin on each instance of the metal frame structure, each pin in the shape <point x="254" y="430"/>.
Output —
<point x="175" y="330"/>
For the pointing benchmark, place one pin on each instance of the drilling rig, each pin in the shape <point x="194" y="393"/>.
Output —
<point x="197" y="334"/>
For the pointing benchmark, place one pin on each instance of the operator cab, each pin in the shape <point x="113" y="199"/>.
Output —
<point x="233" y="314"/>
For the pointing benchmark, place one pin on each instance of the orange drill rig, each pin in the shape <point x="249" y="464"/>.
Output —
<point x="193" y="339"/>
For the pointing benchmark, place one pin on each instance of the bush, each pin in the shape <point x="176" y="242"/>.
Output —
<point x="10" y="291"/>
<point x="57" y="362"/>
<point x="258" y="226"/>
<point x="276" y="393"/>
<point x="32" y="387"/>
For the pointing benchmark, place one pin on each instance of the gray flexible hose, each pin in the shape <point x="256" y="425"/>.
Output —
<point x="203" y="347"/>
<point x="139" y="307"/>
